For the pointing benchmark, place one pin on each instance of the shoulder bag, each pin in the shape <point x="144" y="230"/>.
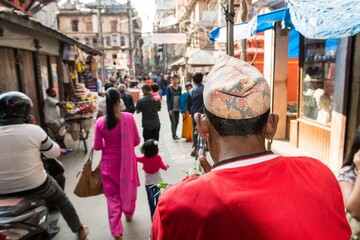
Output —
<point x="90" y="183"/>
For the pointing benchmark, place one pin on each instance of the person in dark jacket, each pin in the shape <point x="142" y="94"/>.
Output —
<point x="127" y="98"/>
<point x="195" y="104"/>
<point x="173" y="93"/>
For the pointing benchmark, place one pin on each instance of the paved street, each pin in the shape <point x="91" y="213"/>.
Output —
<point x="93" y="210"/>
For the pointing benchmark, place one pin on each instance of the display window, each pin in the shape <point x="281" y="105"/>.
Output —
<point x="318" y="80"/>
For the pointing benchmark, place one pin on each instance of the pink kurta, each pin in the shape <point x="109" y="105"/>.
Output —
<point x="118" y="167"/>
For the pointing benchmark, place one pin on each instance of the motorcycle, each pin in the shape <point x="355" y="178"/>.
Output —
<point x="30" y="217"/>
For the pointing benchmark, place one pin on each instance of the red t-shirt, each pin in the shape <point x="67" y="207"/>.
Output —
<point x="262" y="197"/>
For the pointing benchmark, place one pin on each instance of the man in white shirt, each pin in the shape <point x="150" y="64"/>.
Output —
<point x="52" y="116"/>
<point x="21" y="168"/>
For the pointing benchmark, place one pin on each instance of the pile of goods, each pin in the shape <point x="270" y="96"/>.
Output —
<point x="85" y="107"/>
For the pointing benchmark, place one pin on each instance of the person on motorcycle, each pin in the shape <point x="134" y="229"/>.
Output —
<point x="21" y="169"/>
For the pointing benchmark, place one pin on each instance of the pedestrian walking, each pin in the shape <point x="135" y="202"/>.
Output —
<point x="196" y="104"/>
<point x="250" y="193"/>
<point x="116" y="135"/>
<point x="127" y="98"/>
<point x="150" y="117"/>
<point x="152" y="163"/>
<point x="187" y="126"/>
<point x="163" y="85"/>
<point x="173" y="93"/>
<point x="155" y="92"/>
<point x="102" y="101"/>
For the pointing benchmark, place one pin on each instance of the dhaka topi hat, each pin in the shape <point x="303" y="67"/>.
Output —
<point x="236" y="90"/>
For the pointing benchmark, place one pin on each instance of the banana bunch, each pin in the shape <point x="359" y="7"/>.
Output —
<point x="70" y="105"/>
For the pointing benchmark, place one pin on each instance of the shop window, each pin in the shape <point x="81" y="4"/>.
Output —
<point x="122" y="41"/>
<point x="318" y="80"/>
<point x="87" y="41"/>
<point x="95" y="42"/>
<point x="108" y="41"/>
<point x="75" y="25"/>
<point x="89" y="27"/>
<point x="113" y="25"/>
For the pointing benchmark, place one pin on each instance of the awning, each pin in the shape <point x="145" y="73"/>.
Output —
<point x="179" y="62"/>
<point x="201" y="58"/>
<point x="245" y="30"/>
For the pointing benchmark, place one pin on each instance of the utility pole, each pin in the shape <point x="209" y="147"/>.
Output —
<point x="131" y="41"/>
<point x="229" y="14"/>
<point x="244" y="18"/>
<point x="100" y="42"/>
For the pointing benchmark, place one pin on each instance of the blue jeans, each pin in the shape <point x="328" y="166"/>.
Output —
<point x="152" y="199"/>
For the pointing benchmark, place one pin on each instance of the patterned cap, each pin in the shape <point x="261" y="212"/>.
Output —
<point x="236" y="90"/>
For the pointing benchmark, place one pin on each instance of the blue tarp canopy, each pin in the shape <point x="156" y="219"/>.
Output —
<point x="245" y="30"/>
<point x="321" y="19"/>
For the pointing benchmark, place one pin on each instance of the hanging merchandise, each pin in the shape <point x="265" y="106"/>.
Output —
<point x="79" y="67"/>
<point x="324" y="19"/>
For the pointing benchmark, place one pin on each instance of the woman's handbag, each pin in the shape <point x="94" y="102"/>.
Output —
<point x="90" y="183"/>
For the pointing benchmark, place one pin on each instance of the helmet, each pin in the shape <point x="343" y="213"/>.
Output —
<point x="14" y="104"/>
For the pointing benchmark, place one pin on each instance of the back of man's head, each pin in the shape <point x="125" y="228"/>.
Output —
<point x="146" y="88"/>
<point x="108" y="85"/>
<point x="122" y="88"/>
<point x="236" y="98"/>
<point x="198" y="77"/>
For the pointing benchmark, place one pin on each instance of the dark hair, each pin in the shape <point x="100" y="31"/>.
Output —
<point x="175" y="76"/>
<point x="235" y="127"/>
<point x="355" y="146"/>
<point x="108" y="85"/>
<point x="149" y="148"/>
<point x="198" y="77"/>
<point x="49" y="90"/>
<point x="112" y="97"/>
<point x="154" y="87"/>
<point x="188" y="84"/>
<point x="146" y="87"/>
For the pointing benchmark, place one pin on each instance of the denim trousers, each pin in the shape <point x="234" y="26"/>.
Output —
<point x="151" y="191"/>
<point x="174" y="119"/>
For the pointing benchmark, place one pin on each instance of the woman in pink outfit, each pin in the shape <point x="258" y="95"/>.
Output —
<point x="116" y="135"/>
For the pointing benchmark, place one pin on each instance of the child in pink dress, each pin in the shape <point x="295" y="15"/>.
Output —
<point x="152" y="162"/>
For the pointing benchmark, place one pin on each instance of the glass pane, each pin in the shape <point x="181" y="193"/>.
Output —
<point x="318" y="79"/>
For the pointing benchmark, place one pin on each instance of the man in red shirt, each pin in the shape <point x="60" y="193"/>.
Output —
<point x="249" y="193"/>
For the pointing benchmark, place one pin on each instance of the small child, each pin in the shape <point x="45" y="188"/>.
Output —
<point x="155" y="91"/>
<point x="152" y="162"/>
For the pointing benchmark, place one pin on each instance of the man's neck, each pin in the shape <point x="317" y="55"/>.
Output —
<point x="236" y="146"/>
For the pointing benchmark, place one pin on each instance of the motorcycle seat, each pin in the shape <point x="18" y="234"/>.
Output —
<point x="13" y="206"/>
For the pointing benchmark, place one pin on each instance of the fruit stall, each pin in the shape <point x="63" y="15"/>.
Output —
<point x="79" y="114"/>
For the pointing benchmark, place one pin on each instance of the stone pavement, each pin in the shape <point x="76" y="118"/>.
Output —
<point x="93" y="210"/>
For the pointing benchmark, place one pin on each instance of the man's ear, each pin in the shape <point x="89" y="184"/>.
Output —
<point x="271" y="126"/>
<point x="202" y="125"/>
